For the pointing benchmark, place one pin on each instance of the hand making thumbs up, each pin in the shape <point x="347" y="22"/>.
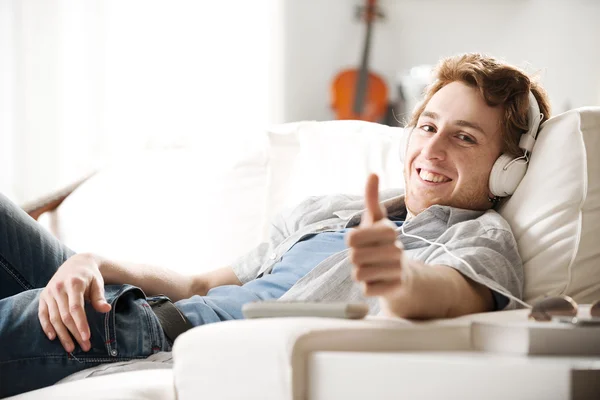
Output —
<point x="376" y="253"/>
<point x="374" y="211"/>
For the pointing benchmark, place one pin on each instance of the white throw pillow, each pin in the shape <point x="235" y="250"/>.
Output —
<point x="313" y="158"/>
<point x="555" y="211"/>
<point x="191" y="210"/>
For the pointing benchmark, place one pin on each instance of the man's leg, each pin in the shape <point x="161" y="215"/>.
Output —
<point x="29" y="360"/>
<point x="29" y="255"/>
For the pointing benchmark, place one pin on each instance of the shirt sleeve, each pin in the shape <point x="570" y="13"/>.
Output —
<point x="490" y="258"/>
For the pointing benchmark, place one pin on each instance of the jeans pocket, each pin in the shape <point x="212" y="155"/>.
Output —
<point x="132" y="328"/>
<point x="128" y="331"/>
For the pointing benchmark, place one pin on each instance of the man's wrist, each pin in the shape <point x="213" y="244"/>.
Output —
<point x="89" y="258"/>
<point x="108" y="270"/>
<point x="426" y="292"/>
<point x="401" y="303"/>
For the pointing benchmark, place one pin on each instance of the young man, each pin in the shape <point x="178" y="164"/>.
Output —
<point x="62" y="312"/>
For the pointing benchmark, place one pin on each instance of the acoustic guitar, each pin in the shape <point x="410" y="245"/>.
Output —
<point x="359" y="93"/>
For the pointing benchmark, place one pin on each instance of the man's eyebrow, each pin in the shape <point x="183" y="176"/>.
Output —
<point x="429" y="114"/>
<point x="459" y="122"/>
<point x="471" y="125"/>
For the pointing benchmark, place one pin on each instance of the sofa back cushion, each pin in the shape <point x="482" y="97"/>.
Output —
<point x="313" y="158"/>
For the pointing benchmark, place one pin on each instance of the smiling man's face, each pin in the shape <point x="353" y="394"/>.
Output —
<point x="452" y="150"/>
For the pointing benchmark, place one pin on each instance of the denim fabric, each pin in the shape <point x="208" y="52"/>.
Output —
<point x="29" y="256"/>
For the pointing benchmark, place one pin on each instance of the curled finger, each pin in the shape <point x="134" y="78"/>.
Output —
<point x="381" y="288"/>
<point x="61" y="330"/>
<point x="377" y="272"/>
<point x="68" y="319"/>
<point x="77" y="312"/>
<point x="380" y="233"/>
<point x="44" y="319"/>
<point x="377" y="254"/>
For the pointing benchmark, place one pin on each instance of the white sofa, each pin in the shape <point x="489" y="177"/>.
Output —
<point x="199" y="208"/>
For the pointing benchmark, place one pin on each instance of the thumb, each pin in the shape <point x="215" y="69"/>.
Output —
<point x="374" y="211"/>
<point x="97" y="297"/>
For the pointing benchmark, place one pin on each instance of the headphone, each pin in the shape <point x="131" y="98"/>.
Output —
<point x="508" y="171"/>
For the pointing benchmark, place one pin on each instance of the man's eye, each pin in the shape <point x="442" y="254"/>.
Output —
<point x="428" y="128"/>
<point x="465" y="138"/>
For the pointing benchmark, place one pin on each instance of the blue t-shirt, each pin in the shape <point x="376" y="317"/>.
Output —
<point x="298" y="261"/>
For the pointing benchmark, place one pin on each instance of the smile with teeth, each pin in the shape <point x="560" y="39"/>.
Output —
<point x="431" y="177"/>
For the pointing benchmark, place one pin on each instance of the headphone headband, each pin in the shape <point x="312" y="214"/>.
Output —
<point x="534" y="118"/>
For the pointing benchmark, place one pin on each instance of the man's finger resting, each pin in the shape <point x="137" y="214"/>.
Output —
<point x="59" y="327"/>
<point x="45" y="320"/>
<point x="77" y="310"/>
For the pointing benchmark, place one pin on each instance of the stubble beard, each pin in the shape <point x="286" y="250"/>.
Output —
<point x="470" y="197"/>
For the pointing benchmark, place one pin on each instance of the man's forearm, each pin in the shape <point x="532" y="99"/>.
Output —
<point x="152" y="280"/>
<point x="471" y="297"/>
<point x="439" y="291"/>
<point x="219" y="277"/>
<point x="155" y="280"/>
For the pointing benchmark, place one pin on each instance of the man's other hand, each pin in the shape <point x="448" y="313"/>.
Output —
<point x="61" y="310"/>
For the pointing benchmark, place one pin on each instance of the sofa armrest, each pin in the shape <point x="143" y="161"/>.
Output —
<point x="239" y="359"/>
<point x="53" y="200"/>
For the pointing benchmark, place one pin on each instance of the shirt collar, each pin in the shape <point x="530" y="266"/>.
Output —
<point x="395" y="206"/>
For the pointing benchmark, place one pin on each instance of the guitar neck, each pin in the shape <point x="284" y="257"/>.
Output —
<point x="361" y="84"/>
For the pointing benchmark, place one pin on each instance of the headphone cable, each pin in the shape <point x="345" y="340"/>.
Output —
<point x="471" y="269"/>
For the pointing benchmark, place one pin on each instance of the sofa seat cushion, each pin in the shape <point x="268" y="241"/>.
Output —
<point x="156" y="384"/>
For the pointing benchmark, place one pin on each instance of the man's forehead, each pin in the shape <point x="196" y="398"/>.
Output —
<point x="463" y="105"/>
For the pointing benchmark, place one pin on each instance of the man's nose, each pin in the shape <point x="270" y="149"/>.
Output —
<point x="435" y="147"/>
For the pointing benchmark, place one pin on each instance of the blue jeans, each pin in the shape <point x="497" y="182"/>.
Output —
<point x="29" y="257"/>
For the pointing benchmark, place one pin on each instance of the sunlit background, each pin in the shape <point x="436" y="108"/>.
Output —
<point x="83" y="82"/>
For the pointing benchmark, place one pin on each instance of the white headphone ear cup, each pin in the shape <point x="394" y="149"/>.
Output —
<point x="506" y="175"/>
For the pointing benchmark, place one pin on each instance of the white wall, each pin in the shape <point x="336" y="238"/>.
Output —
<point x="560" y="39"/>
<point x="81" y="79"/>
<point x="84" y="82"/>
<point x="7" y="93"/>
<point x="36" y="89"/>
<point x="188" y="69"/>
<point x="48" y="79"/>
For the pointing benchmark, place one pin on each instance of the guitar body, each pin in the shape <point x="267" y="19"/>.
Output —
<point x="343" y="93"/>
